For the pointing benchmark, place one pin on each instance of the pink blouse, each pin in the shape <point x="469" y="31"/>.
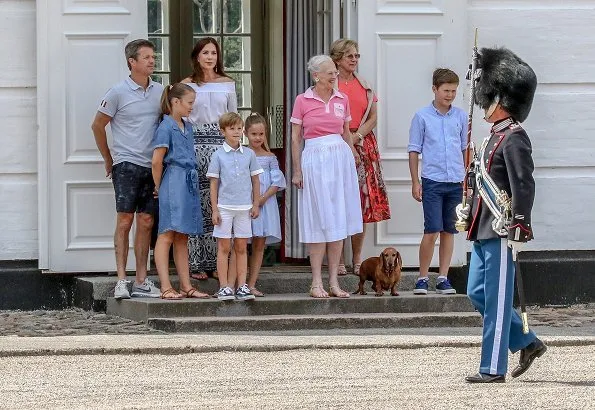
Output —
<point x="318" y="118"/>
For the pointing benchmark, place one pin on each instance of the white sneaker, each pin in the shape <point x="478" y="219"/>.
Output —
<point x="147" y="289"/>
<point x="244" y="293"/>
<point x="121" y="290"/>
<point x="225" y="294"/>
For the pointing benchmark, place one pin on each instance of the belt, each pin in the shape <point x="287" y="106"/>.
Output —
<point x="191" y="178"/>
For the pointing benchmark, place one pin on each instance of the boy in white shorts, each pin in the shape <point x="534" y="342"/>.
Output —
<point x="235" y="191"/>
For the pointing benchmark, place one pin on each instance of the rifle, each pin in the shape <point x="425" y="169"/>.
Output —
<point x="462" y="222"/>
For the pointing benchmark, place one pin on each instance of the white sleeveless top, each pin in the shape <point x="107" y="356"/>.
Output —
<point x="212" y="101"/>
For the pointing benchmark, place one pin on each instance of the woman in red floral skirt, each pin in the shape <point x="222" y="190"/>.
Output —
<point x="362" y="101"/>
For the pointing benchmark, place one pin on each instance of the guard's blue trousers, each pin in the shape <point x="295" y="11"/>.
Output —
<point x="490" y="287"/>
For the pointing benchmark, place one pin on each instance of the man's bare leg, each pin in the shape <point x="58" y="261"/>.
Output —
<point x="142" y="243"/>
<point x="121" y="243"/>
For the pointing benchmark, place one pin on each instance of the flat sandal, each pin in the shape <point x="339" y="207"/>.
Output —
<point x="318" y="287"/>
<point x="337" y="292"/>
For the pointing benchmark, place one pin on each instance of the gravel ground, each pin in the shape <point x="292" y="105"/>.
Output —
<point x="69" y="322"/>
<point x="426" y="378"/>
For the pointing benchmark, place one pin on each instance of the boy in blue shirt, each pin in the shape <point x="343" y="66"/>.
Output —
<point x="235" y="194"/>
<point x="438" y="132"/>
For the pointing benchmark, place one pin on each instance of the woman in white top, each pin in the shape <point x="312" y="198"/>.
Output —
<point x="215" y="95"/>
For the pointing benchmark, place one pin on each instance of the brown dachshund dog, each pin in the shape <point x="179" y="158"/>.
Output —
<point x="384" y="271"/>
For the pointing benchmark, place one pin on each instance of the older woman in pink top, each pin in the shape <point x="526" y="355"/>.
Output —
<point x="324" y="172"/>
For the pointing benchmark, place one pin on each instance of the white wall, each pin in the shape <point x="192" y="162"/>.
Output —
<point x="18" y="131"/>
<point x="556" y="40"/>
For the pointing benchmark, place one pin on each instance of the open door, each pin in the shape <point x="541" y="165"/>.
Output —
<point x="401" y="43"/>
<point x="80" y="54"/>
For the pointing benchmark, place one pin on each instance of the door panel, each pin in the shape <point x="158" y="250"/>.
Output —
<point x="76" y="201"/>
<point x="401" y="43"/>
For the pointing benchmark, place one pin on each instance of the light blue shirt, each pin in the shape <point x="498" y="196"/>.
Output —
<point x="234" y="168"/>
<point x="440" y="139"/>
<point x="135" y="114"/>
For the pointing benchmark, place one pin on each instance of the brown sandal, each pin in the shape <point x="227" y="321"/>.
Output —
<point x="171" y="294"/>
<point x="342" y="270"/>
<point x="193" y="293"/>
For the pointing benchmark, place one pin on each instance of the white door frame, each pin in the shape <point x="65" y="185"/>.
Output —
<point x="393" y="33"/>
<point x="64" y="135"/>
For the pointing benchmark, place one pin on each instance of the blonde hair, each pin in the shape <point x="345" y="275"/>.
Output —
<point x="177" y="90"/>
<point x="230" y="119"/>
<point x="340" y="47"/>
<point x="253" y="119"/>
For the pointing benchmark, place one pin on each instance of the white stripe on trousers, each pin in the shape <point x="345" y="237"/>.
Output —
<point x="500" y="308"/>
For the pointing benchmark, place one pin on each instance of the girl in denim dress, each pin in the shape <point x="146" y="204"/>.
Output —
<point x="176" y="186"/>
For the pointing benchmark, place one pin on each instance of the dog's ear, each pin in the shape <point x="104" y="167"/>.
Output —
<point x="399" y="260"/>
<point x="383" y="260"/>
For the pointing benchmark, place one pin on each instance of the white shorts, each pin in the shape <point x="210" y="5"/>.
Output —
<point x="240" y="221"/>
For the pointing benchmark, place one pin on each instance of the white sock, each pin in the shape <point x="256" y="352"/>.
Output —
<point x="441" y="278"/>
<point x="423" y="278"/>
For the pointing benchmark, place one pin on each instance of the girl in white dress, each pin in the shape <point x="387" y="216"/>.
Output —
<point x="215" y="95"/>
<point x="266" y="229"/>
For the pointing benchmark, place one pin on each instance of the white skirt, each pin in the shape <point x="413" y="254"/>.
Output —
<point x="329" y="207"/>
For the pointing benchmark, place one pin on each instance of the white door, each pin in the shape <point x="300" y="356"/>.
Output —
<point x="80" y="54"/>
<point x="401" y="43"/>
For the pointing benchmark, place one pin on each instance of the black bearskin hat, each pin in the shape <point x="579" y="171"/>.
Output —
<point x="506" y="79"/>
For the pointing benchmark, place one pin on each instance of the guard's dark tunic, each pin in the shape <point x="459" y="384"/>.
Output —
<point x="508" y="161"/>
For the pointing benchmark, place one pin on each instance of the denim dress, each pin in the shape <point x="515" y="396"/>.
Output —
<point x="179" y="203"/>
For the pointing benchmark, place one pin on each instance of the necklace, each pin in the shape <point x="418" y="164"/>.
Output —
<point x="347" y="80"/>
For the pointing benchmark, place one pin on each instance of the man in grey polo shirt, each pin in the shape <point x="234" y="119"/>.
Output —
<point x="132" y="107"/>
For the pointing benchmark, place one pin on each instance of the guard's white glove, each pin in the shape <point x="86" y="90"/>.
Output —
<point x="516" y="245"/>
<point x="463" y="213"/>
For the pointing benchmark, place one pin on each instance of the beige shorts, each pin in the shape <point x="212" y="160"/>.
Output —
<point x="234" y="224"/>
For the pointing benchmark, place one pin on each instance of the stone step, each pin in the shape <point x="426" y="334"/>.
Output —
<point x="92" y="291"/>
<point x="143" y="309"/>
<point x="309" y="322"/>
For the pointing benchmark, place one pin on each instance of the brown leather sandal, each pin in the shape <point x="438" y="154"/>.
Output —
<point x="171" y="294"/>
<point x="193" y="293"/>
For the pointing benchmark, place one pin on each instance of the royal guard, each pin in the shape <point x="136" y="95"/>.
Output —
<point x="499" y="213"/>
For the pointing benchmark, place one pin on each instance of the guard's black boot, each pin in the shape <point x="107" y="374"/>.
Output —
<point x="535" y="349"/>
<point x="485" y="378"/>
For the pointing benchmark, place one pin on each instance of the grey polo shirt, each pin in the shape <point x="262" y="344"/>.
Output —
<point x="135" y="113"/>
<point x="234" y="168"/>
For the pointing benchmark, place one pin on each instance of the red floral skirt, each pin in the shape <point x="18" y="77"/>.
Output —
<point x="373" y="196"/>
